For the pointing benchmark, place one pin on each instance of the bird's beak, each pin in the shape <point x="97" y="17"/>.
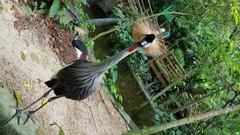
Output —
<point x="147" y="40"/>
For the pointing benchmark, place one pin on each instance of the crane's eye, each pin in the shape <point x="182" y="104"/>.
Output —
<point x="149" y="38"/>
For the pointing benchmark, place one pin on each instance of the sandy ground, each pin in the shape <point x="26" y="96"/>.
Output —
<point x="93" y="116"/>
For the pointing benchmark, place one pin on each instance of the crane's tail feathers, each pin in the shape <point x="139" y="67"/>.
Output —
<point x="51" y="83"/>
<point x="58" y="90"/>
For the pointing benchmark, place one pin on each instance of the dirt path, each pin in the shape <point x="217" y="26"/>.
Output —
<point x="93" y="116"/>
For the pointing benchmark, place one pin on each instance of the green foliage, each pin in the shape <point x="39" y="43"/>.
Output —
<point x="110" y="80"/>
<point x="235" y="13"/>
<point x="59" y="12"/>
<point x="168" y="16"/>
<point x="83" y="17"/>
<point x="64" y="17"/>
<point x="54" y="8"/>
<point x="41" y="10"/>
<point x="180" y="56"/>
<point x="27" y="10"/>
<point x="205" y="36"/>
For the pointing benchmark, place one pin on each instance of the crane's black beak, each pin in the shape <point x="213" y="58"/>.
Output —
<point x="147" y="40"/>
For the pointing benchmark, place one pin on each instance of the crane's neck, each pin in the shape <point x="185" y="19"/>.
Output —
<point x="100" y="68"/>
<point x="107" y="64"/>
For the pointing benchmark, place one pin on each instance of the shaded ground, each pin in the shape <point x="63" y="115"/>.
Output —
<point x="60" y="40"/>
<point x="27" y="60"/>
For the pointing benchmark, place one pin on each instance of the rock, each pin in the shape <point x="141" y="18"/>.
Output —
<point x="6" y="112"/>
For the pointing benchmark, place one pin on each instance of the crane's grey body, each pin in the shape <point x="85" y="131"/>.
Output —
<point x="80" y="79"/>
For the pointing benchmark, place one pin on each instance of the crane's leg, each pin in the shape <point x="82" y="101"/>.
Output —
<point x="30" y="113"/>
<point x="19" y="111"/>
<point x="43" y="96"/>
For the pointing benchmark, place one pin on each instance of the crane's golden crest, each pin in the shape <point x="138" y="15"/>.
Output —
<point x="141" y="28"/>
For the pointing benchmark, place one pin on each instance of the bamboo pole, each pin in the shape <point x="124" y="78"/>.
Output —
<point x="173" y="67"/>
<point x="162" y="70"/>
<point x="158" y="73"/>
<point x="170" y="70"/>
<point x="191" y="119"/>
<point x="178" y="64"/>
<point x="171" y="85"/>
<point x="166" y="69"/>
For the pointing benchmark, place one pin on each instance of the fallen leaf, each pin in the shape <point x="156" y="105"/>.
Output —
<point x="18" y="97"/>
<point x="24" y="54"/>
<point x="112" y="113"/>
<point x="44" y="101"/>
<point x="39" y="80"/>
<point x="34" y="58"/>
<point x="16" y="24"/>
<point x="56" y="50"/>
<point x="99" y="104"/>
<point x="14" y="10"/>
<point x="27" y="84"/>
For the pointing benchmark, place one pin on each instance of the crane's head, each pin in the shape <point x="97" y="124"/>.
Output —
<point x="150" y="36"/>
<point x="147" y="40"/>
<point x="80" y="49"/>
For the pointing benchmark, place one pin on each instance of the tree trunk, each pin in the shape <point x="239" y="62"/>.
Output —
<point x="6" y="112"/>
<point x="191" y="119"/>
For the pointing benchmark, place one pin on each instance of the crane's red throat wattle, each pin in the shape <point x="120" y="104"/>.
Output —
<point x="133" y="48"/>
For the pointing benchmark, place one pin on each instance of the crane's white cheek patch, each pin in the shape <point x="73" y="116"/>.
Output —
<point x="78" y="52"/>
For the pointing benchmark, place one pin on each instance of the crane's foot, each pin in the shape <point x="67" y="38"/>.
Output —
<point x="19" y="112"/>
<point x="29" y="116"/>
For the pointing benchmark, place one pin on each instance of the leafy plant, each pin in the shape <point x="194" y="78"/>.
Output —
<point x="110" y="80"/>
<point x="54" y="8"/>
